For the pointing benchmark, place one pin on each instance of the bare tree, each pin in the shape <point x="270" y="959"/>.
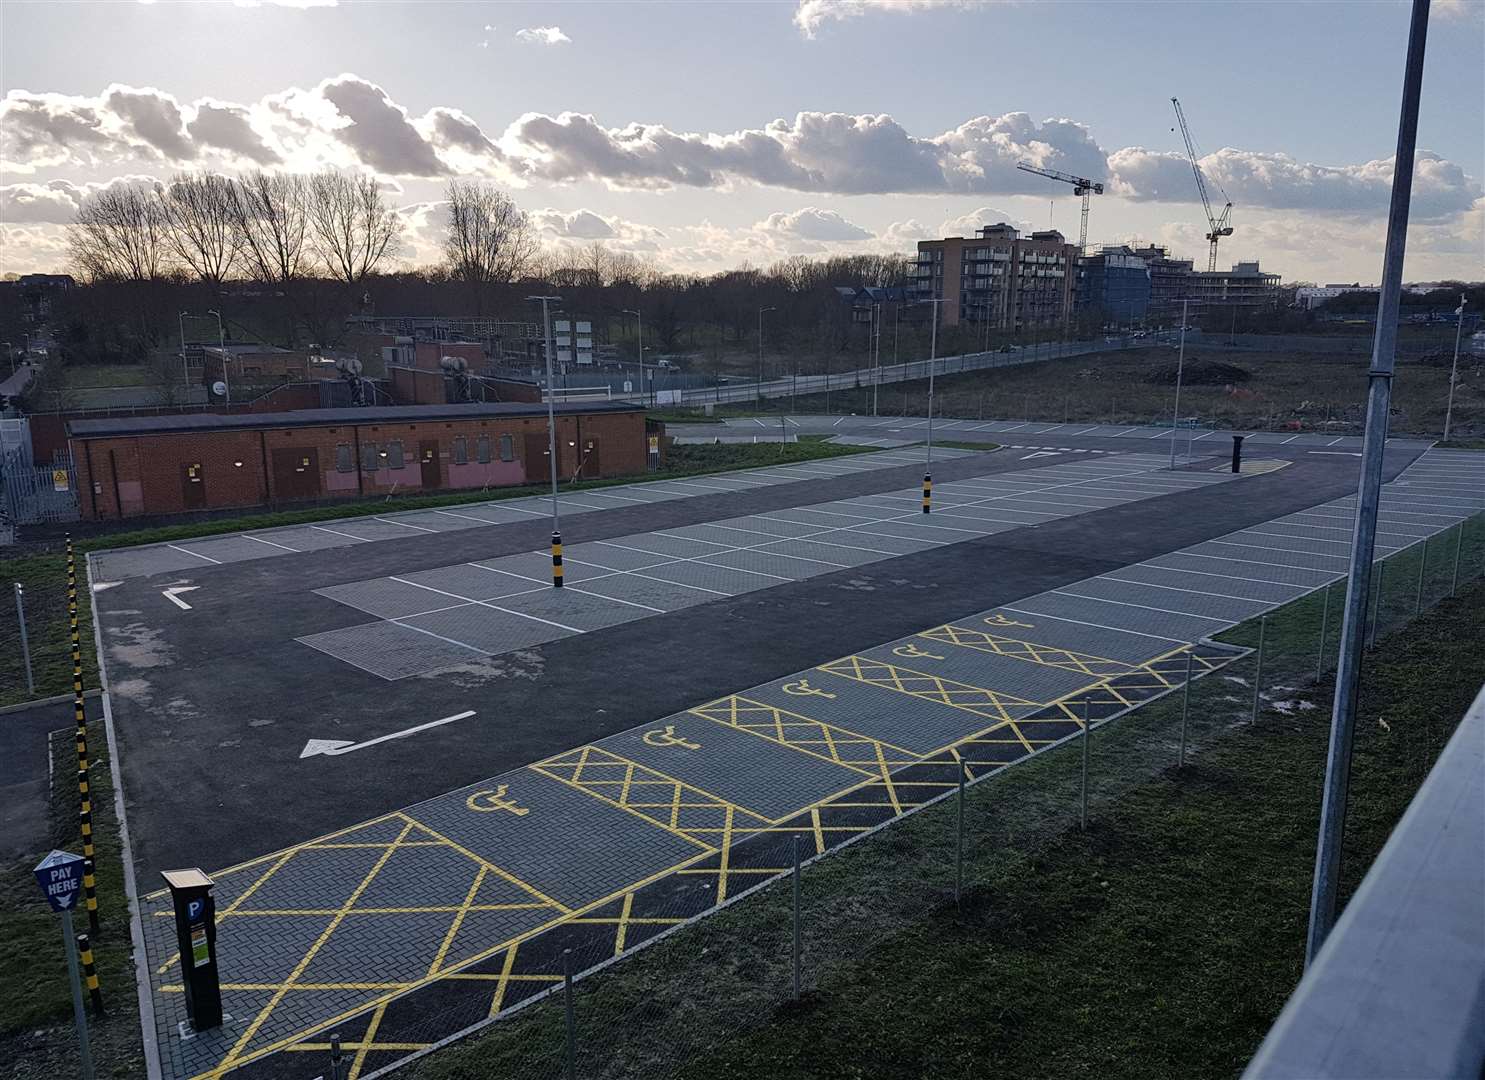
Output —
<point x="271" y="214"/>
<point x="354" y="228"/>
<point x="120" y="235"/>
<point x="488" y="240"/>
<point x="202" y="226"/>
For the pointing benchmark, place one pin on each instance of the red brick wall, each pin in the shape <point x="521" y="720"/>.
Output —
<point x="427" y="354"/>
<point x="412" y="386"/>
<point x="141" y="475"/>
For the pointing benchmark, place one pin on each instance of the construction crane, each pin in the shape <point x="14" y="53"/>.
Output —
<point x="1080" y="185"/>
<point x="1219" y="225"/>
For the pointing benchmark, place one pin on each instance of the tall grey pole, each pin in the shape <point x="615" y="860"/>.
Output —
<point x="932" y="358"/>
<point x="796" y="917"/>
<point x="1363" y="541"/>
<point x="222" y="345"/>
<point x="1258" y="668"/>
<point x="1083" y="796"/>
<point x="1175" y="413"/>
<point x="644" y="394"/>
<point x="1454" y="368"/>
<point x="959" y="839"/>
<point x="876" y="382"/>
<point x="20" y="614"/>
<point x="78" y="1016"/>
<point x="546" y="329"/>
<point x="185" y="375"/>
<point x="1324" y="633"/>
<point x="1186" y="706"/>
<point x="569" y="1021"/>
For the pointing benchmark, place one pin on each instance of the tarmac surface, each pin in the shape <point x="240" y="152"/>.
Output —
<point x="543" y="797"/>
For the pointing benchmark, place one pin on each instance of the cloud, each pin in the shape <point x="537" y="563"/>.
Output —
<point x="968" y="224"/>
<point x="811" y="15"/>
<point x="561" y="228"/>
<point x="904" y="235"/>
<point x="378" y="129"/>
<point x="543" y="35"/>
<point x="812" y="223"/>
<point x="230" y="128"/>
<point x="1279" y="182"/>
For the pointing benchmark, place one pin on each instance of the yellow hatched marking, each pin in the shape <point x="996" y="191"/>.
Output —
<point x="726" y="847"/>
<point x="304" y="962"/>
<point x="463" y="909"/>
<point x="366" y="1040"/>
<point x="623" y="923"/>
<point x="237" y="902"/>
<point x="928" y="687"/>
<point x="505" y="875"/>
<point x="1046" y="655"/>
<point x="836" y="744"/>
<point x="505" y="976"/>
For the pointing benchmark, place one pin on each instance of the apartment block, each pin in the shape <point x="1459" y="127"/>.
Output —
<point x="998" y="278"/>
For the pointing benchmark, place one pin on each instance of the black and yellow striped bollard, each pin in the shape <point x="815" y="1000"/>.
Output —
<point x="90" y="973"/>
<point x="80" y="717"/>
<point x="557" y="560"/>
<point x="927" y="493"/>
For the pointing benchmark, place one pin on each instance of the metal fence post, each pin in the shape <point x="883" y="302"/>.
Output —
<point x="796" y="916"/>
<point x="1258" y="671"/>
<point x="1083" y="802"/>
<point x="1422" y="566"/>
<point x="1185" y="707"/>
<point x="20" y="614"/>
<point x="1324" y="630"/>
<point x="337" y="1057"/>
<point x="959" y="841"/>
<point x="1371" y="642"/>
<point x="571" y="1070"/>
<point x="1458" y="548"/>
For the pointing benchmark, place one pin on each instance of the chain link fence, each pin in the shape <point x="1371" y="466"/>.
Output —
<point x="755" y="931"/>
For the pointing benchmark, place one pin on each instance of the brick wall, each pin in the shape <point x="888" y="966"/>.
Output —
<point x="427" y="354"/>
<point x="147" y="475"/>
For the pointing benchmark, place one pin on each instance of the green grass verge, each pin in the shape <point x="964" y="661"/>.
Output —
<point x="965" y="444"/>
<point x="36" y="1033"/>
<point x="1162" y="942"/>
<point x="44" y="581"/>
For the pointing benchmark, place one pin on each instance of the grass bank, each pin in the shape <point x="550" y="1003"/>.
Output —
<point x="36" y="1033"/>
<point x="1161" y="942"/>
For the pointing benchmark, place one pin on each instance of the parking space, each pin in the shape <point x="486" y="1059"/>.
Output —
<point x="363" y="928"/>
<point x="267" y="543"/>
<point x="501" y="605"/>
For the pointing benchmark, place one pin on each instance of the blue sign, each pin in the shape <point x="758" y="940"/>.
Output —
<point x="60" y="876"/>
<point x="194" y="908"/>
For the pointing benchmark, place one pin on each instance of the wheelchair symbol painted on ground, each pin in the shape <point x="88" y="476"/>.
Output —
<point x="802" y="688"/>
<point x="912" y="651"/>
<point x="667" y="737"/>
<point x="1000" y="620"/>
<point x="486" y="802"/>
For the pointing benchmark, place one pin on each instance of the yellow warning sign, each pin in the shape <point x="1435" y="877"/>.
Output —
<point x="59" y="479"/>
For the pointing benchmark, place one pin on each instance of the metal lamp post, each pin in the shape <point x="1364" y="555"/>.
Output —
<point x="1454" y="368"/>
<point x="760" y="349"/>
<point x="932" y="361"/>
<point x="641" y="318"/>
<point x="546" y="330"/>
<point x="222" y="345"/>
<point x="1175" y="414"/>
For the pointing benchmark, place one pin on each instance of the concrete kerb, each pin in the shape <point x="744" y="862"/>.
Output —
<point x="1237" y="653"/>
<point x="55" y="699"/>
<point x="153" y="1070"/>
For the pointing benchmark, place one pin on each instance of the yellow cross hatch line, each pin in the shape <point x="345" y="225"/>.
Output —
<point x="1029" y="651"/>
<point x="929" y="687"/>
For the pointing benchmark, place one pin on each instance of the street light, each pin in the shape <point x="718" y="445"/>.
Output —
<point x="221" y="344"/>
<point x="1180" y="366"/>
<point x="760" y="348"/>
<point x="641" y="318"/>
<point x="546" y="330"/>
<point x="1454" y="368"/>
<point x="185" y="375"/>
<point x="932" y="360"/>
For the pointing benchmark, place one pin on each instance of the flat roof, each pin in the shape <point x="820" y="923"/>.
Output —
<point x="176" y="424"/>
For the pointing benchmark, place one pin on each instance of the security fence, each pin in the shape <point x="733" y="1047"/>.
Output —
<point x="32" y="494"/>
<point x="751" y="931"/>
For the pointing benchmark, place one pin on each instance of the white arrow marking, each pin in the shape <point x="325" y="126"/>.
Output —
<point x="333" y="747"/>
<point x="1040" y="453"/>
<point x="170" y="594"/>
<point x="1335" y="453"/>
<point x="99" y="586"/>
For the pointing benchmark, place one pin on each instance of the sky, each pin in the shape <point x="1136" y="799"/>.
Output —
<point x="707" y="135"/>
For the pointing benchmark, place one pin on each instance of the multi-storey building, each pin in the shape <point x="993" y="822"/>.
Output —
<point x="1114" y="282"/>
<point x="997" y="278"/>
<point x="1169" y="278"/>
<point x="1245" y="285"/>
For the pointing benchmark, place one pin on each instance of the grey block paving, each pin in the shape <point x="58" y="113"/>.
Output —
<point x="389" y="649"/>
<point x="735" y="555"/>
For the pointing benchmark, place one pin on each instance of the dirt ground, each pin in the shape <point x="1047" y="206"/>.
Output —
<point x="1291" y="390"/>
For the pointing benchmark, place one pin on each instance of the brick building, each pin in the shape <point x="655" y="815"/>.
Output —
<point x="141" y="466"/>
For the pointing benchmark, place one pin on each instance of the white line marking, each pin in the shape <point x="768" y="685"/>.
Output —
<point x="270" y="543"/>
<point x="1172" y="588"/>
<point x="488" y="604"/>
<point x="188" y="551"/>
<point x="1142" y="607"/>
<point x="1208" y="573"/>
<point x="170" y="594"/>
<point x="332" y="747"/>
<point x="405" y="525"/>
<point x="1097" y="626"/>
<point x="348" y="536"/>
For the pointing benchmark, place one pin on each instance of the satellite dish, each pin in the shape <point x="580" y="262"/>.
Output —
<point x="350" y="365"/>
<point x="453" y="364"/>
<point x="219" y="388"/>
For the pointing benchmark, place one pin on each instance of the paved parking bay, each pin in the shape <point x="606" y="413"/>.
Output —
<point x="267" y="543"/>
<point x="436" y="618"/>
<point x="447" y="910"/>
